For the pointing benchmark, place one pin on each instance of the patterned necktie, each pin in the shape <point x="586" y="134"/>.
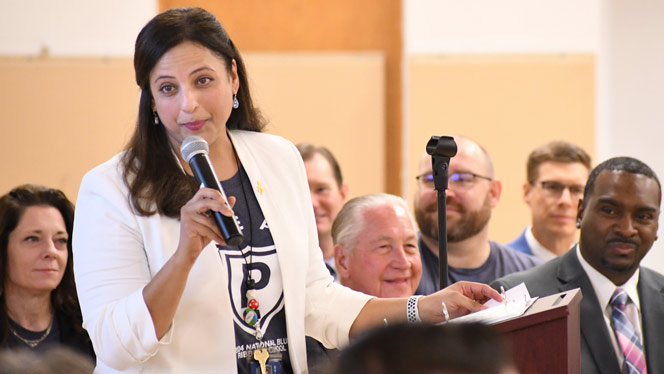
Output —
<point x="627" y="338"/>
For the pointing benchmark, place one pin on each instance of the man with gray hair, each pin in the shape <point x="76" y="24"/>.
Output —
<point x="376" y="246"/>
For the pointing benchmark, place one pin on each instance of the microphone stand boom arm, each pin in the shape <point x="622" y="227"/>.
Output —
<point x="441" y="149"/>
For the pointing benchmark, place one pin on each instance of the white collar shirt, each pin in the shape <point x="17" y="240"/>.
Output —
<point x="537" y="248"/>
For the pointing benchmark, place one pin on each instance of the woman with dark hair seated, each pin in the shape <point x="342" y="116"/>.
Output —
<point x="38" y="303"/>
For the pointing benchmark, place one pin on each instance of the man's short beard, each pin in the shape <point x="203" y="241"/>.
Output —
<point x="428" y="222"/>
<point x="469" y="225"/>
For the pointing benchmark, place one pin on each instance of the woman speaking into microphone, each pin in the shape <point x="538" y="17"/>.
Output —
<point x="160" y="290"/>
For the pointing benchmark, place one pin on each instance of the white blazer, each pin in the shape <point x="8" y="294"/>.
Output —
<point x="117" y="252"/>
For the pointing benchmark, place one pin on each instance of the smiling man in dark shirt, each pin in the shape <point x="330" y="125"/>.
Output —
<point x="472" y="193"/>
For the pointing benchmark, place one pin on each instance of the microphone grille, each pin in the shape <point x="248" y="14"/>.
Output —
<point x="192" y="146"/>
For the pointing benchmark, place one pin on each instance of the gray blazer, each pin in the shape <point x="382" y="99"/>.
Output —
<point x="597" y="353"/>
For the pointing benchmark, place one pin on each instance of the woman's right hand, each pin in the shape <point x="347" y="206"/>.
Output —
<point x="197" y="226"/>
<point x="197" y="229"/>
<point x="460" y="298"/>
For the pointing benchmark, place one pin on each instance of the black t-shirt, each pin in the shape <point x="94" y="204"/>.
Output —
<point x="62" y="333"/>
<point x="258" y="253"/>
<point x="53" y="338"/>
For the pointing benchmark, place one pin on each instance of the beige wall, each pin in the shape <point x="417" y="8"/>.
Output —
<point x="509" y="104"/>
<point x="306" y="98"/>
<point x="65" y="116"/>
<point x="61" y="117"/>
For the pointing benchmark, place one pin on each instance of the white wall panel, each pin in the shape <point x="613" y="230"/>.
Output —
<point x="72" y="27"/>
<point x="631" y="89"/>
<point x="506" y="26"/>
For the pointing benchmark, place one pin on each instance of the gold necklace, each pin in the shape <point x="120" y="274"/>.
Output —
<point x="32" y="343"/>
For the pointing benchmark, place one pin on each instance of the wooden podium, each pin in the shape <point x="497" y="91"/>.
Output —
<point x="546" y="338"/>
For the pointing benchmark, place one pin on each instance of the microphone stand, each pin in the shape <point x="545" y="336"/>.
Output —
<point x="441" y="149"/>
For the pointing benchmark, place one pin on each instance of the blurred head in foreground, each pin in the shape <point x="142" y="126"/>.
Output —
<point x="427" y="349"/>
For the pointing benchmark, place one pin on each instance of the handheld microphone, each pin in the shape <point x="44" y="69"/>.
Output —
<point x="194" y="150"/>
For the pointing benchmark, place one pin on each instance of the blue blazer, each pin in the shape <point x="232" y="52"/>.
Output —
<point x="521" y="244"/>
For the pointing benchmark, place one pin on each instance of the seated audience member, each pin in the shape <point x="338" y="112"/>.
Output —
<point x="376" y="246"/>
<point x="328" y="194"/>
<point x="473" y="191"/>
<point x="427" y="349"/>
<point x="556" y="173"/>
<point x="376" y="253"/>
<point x="38" y="303"/>
<point x="623" y="303"/>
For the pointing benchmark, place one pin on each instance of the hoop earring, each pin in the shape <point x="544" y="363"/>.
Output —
<point x="156" y="118"/>
<point x="236" y="104"/>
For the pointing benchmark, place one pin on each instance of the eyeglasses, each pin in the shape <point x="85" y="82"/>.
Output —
<point x="461" y="180"/>
<point x="555" y="189"/>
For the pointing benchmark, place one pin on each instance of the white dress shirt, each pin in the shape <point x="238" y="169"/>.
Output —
<point x="538" y="249"/>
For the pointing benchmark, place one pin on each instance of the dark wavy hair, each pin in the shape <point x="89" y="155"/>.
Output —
<point x="150" y="169"/>
<point x="12" y="206"/>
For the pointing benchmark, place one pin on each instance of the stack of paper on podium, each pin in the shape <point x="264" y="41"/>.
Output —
<point x="544" y="333"/>
<point x="515" y="303"/>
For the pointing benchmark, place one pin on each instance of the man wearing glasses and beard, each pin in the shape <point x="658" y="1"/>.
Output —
<point x="472" y="192"/>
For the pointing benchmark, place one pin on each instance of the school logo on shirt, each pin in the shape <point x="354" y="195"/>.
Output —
<point x="269" y="289"/>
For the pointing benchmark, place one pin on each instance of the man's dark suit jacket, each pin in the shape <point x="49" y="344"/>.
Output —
<point x="597" y="353"/>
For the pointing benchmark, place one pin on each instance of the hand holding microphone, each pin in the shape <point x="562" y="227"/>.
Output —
<point x="194" y="150"/>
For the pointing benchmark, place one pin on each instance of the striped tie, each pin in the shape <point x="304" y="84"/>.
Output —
<point x="628" y="340"/>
